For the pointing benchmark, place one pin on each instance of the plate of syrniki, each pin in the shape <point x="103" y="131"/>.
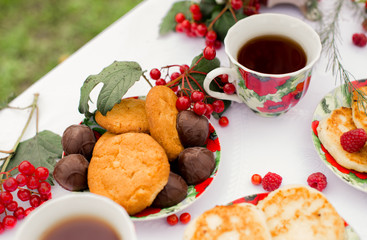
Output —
<point x="150" y="158"/>
<point x="338" y="113"/>
<point x="290" y="212"/>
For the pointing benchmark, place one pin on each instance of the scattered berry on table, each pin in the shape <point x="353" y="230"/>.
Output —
<point x="271" y="181"/>
<point x="223" y="121"/>
<point x="317" y="180"/>
<point x="256" y="179"/>
<point x="353" y="140"/>
<point x="359" y="39"/>
<point x="172" y="219"/>
<point x="185" y="218"/>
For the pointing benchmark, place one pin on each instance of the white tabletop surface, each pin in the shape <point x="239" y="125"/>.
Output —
<point x="250" y="144"/>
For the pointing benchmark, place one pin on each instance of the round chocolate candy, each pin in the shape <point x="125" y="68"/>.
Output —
<point x="173" y="193"/>
<point x="196" y="164"/>
<point x="192" y="129"/>
<point x="78" y="139"/>
<point x="71" y="172"/>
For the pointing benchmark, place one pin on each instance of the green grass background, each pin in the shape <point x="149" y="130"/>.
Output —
<point x="36" y="35"/>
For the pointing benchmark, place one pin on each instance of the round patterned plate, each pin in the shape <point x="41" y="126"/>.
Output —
<point x="350" y="234"/>
<point x="330" y="102"/>
<point x="193" y="191"/>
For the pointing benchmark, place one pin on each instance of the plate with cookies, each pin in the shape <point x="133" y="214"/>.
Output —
<point x="289" y="212"/>
<point x="339" y="128"/>
<point x="147" y="156"/>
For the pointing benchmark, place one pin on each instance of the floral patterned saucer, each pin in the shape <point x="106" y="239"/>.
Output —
<point x="193" y="191"/>
<point x="350" y="234"/>
<point x="331" y="101"/>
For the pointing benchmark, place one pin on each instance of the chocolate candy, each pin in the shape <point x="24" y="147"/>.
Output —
<point x="71" y="172"/>
<point x="196" y="164"/>
<point x="173" y="193"/>
<point x="192" y="129"/>
<point x="78" y="139"/>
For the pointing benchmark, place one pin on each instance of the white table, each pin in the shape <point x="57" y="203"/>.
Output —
<point x="250" y="144"/>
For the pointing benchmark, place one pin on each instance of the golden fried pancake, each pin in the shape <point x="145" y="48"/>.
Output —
<point x="130" y="168"/>
<point x="242" y="221"/>
<point x="302" y="213"/>
<point x="162" y="114"/>
<point x="127" y="116"/>
<point x="358" y="113"/>
<point x="329" y="131"/>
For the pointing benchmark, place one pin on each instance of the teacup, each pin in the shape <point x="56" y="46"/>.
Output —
<point x="74" y="206"/>
<point x="268" y="94"/>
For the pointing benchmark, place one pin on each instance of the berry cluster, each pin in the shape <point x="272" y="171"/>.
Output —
<point x="189" y="97"/>
<point x="30" y="186"/>
<point x="272" y="181"/>
<point x="194" y="25"/>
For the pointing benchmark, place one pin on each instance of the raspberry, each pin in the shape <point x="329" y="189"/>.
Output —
<point x="271" y="181"/>
<point x="317" y="180"/>
<point x="359" y="39"/>
<point x="353" y="140"/>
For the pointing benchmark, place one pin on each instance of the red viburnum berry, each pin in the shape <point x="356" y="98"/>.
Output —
<point x="180" y="17"/>
<point x="172" y="219"/>
<point x="183" y="103"/>
<point x="209" y="53"/>
<point x="209" y="109"/>
<point x="229" y="88"/>
<point x="201" y="30"/>
<point x="359" y="39"/>
<point x="194" y="8"/>
<point x="185" y="217"/>
<point x="199" y="108"/>
<point x="197" y="96"/>
<point x="223" y="121"/>
<point x="9" y="222"/>
<point x="271" y="181"/>
<point x="211" y="36"/>
<point x="218" y="106"/>
<point x="184" y="68"/>
<point x="155" y="73"/>
<point x="236" y="4"/>
<point x="317" y="180"/>
<point x="256" y="179"/>
<point x="160" y="82"/>
<point x="353" y="140"/>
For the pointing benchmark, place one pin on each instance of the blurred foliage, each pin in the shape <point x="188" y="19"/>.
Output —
<point x="36" y="35"/>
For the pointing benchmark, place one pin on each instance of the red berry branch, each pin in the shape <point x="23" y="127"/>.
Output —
<point x="28" y="186"/>
<point x="190" y="93"/>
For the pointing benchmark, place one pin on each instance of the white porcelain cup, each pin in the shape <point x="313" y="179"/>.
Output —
<point x="72" y="205"/>
<point x="267" y="94"/>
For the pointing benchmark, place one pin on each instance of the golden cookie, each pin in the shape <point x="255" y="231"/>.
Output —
<point x="127" y="116"/>
<point x="129" y="168"/>
<point x="162" y="113"/>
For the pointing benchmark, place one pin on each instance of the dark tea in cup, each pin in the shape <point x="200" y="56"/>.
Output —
<point x="272" y="54"/>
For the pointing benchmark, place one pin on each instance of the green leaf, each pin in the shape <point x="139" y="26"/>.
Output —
<point x="116" y="78"/>
<point x="41" y="150"/>
<point x="208" y="6"/>
<point x="224" y="23"/>
<point x="169" y="23"/>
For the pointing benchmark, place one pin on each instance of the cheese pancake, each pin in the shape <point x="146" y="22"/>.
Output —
<point x="358" y="113"/>
<point x="302" y="213"/>
<point x="242" y="221"/>
<point x="329" y="131"/>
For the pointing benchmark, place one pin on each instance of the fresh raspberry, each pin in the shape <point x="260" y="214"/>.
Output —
<point x="359" y="39"/>
<point x="353" y="140"/>
<point x="317" y="180"/>
<point x="271" y="181"/>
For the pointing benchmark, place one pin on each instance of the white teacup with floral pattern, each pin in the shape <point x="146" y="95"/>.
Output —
<point x="267" y="94"/>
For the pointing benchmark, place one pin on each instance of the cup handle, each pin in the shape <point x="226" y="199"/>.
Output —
<point x="232" y="76"/>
